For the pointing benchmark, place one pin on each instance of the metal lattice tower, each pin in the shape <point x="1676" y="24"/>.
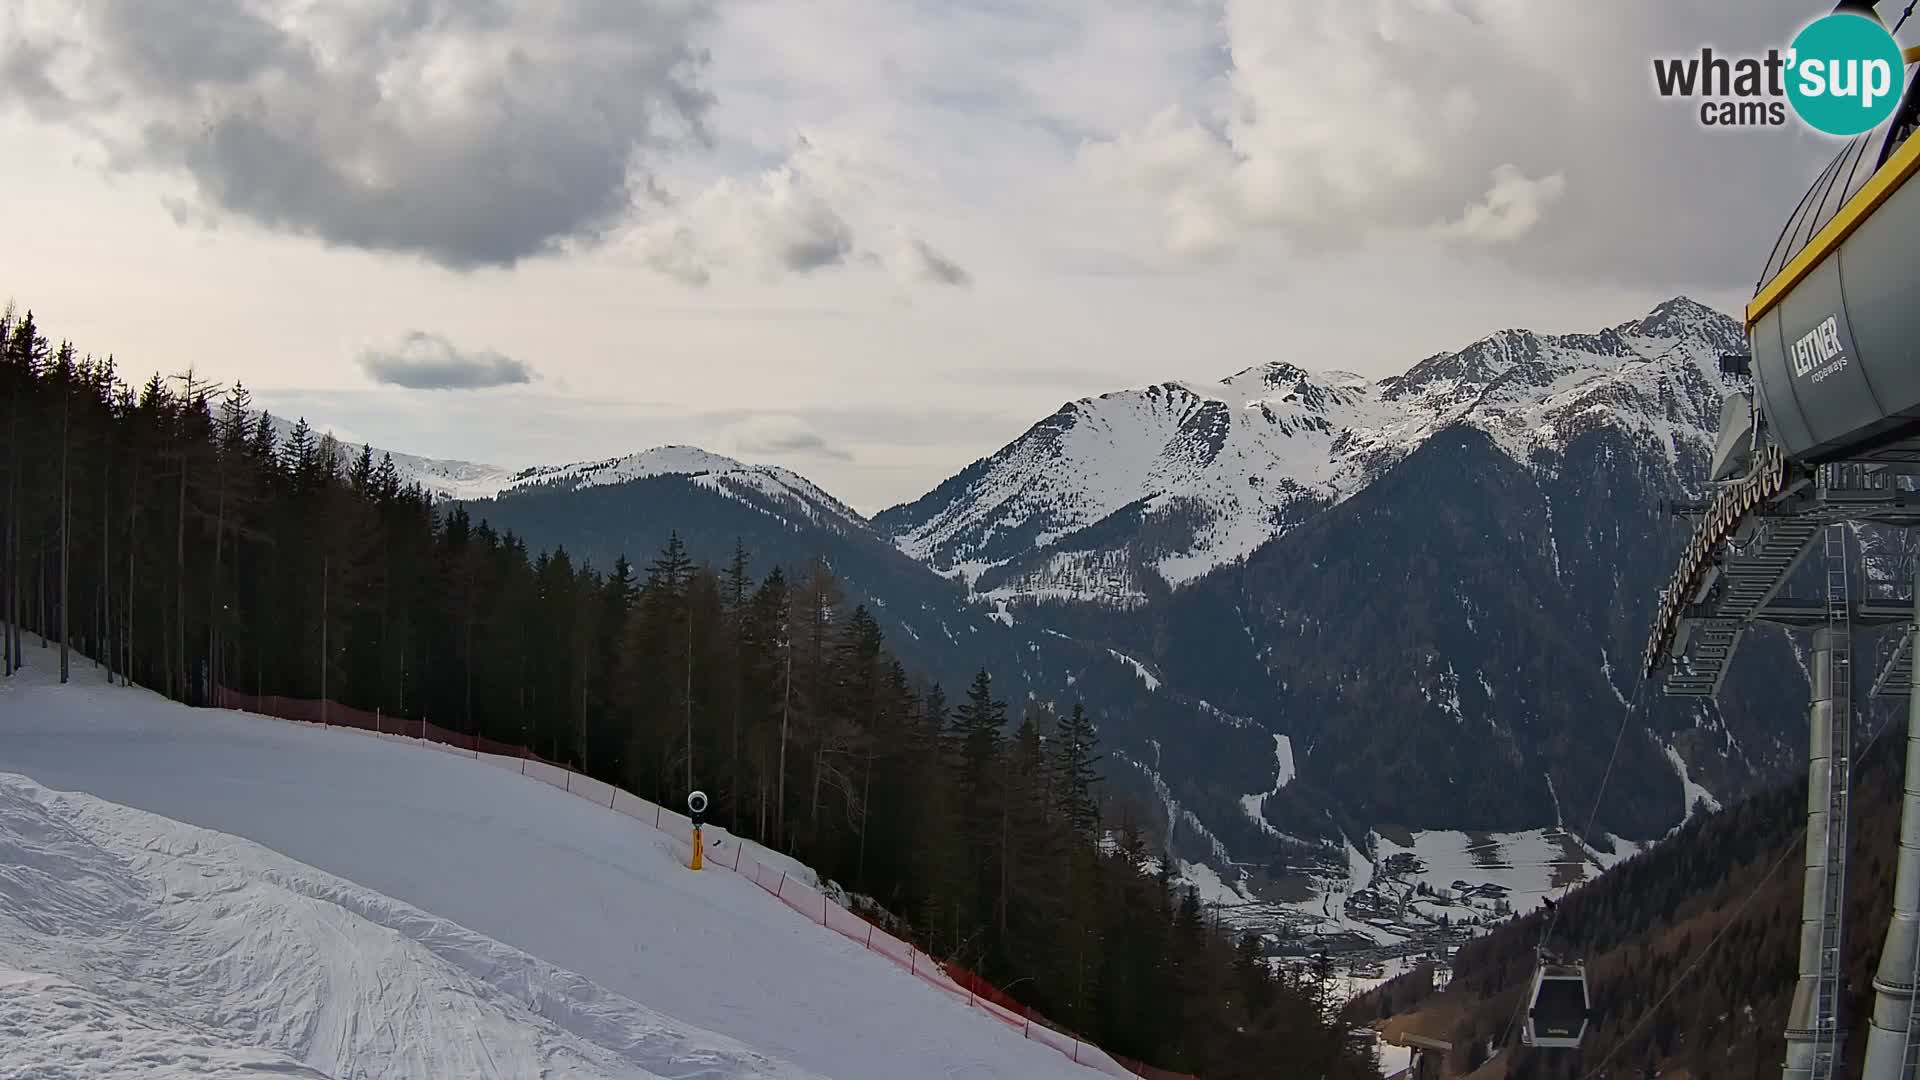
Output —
<point x="1827" y="1061"/>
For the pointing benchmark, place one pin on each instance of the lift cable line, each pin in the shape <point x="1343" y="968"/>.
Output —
<point x="1779" y="860"/>
<point x="1529" y="996"/>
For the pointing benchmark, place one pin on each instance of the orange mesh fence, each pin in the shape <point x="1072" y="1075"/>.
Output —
<point x="723" y="852"/>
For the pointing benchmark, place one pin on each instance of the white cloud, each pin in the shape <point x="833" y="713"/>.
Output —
<point x="776" y="223"/>
<point x="1330" y="124"/>
<point x="1320" y="134"/>
<point x="1512" y="207"/>
<point x="787" y="220"/>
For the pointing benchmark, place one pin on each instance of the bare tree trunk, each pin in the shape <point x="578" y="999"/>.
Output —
<point x="786" y="702"/>
<point x="1006" y="800"/>
<point x="66" y="529"/>
<point x="133" y="524"/>
<point x="386" y="587"/>
<point x="10" y="603"/>
<point x="105" y="645"/>
<point x="813" y="804"/>
<point x="179" y="656"/>
<point x="733" y="782"/>
<point x="213" y="580"/>
<point x="866" y="803"/>
<point x="325" y="573"/>
<point x="6" y="599"/>
<point x="19" y="600"/>
<point x="6" y="595"/>
<point x="469" y="646"/>
<point x="689" y="692"/>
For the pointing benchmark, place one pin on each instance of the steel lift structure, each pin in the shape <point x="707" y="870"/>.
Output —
<point x="1827" y="439"/>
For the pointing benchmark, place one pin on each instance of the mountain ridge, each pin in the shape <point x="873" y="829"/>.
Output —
<point x="1488" y="512"/>
<point x="1150" y="488"/>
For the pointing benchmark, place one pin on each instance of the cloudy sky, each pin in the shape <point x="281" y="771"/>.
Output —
<point x="871" y="240"/>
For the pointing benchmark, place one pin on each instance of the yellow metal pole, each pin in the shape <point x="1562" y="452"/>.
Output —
<point x="696" y="847"/>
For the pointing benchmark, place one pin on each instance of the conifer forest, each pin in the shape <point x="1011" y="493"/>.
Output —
<point x="166" y="531"/>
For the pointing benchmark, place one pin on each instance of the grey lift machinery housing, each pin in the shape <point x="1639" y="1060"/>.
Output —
<point x="1828" y="438"/>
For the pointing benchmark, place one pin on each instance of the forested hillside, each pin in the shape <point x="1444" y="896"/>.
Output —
<point x="168" y="534"/>
<point x="1691" y="948"/>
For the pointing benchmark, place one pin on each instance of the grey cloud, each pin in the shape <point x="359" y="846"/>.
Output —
<point x="1528" y="132"/>
<point x="926" y="264"/>
<point x="772" y="433"/>
<point x="778" y="223"/>
<point x="403" y="127"/>
<point x="1653" y="199"/>
<point x="181" y="45"/>
<point x="796" y="442"/>
<point x="425" y="361"/>
<point x="25" y="77"/>
<point x="818" y="237"/>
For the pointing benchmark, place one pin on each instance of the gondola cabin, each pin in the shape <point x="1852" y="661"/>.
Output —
<point x="1557" y="1008"/>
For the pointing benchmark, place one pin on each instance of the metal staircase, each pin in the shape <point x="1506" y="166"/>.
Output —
<point x="1748" y="581"/>
<point x="1896" y="668"/>
<point x="1832" y="983"/>
<point x="1763" y="547"/>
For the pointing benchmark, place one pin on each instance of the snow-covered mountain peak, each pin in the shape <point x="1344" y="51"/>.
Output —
<point x="659" y="461"/>
<point x="1684" y="317"/>
<point x="704" y="468"/>
<point x="443" y="478"/>
<point x="1174" y="479"/>
<point x="464" y="481"/>
<point x="1273" y="375"/>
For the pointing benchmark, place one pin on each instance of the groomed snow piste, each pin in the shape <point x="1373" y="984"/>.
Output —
<point x="487" y="924"/>
<point x="129" y="941"/>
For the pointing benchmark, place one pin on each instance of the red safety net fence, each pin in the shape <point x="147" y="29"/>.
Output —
<point x="794" y="886"/>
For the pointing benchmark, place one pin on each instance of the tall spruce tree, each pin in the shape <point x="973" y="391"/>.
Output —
<point x="215" y="556"/>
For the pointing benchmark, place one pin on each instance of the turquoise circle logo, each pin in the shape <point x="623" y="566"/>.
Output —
<point x="1847" y="74"/>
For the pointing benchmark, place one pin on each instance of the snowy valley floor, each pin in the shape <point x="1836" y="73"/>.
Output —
<point x="487" y="925"/>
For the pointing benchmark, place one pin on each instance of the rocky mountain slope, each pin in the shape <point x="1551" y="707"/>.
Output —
<point x="1432" y="588"/>
<point x="1313" y="612"/>
<point x="1116" y="498"/>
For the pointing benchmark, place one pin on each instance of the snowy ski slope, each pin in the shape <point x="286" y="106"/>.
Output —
<point x="130" y="942"/>
<point x="574" y="885"/>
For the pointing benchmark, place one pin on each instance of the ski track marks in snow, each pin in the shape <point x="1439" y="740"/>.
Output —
<point x="580" y="887"/>
<point x="1694" y="793"/>
<point x="1139" y="669"/>
<point x="128" y="940"/>
<point x="1255" y="805"/>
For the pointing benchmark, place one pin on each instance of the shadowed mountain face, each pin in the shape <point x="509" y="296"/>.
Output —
<point x="1118" y="498"/>
<point x="1435" y="586"/>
